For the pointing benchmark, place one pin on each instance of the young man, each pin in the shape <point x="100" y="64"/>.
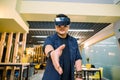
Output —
<point x="63" y="53"/>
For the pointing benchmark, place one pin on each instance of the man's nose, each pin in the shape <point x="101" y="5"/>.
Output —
<point x="62" y="26"/>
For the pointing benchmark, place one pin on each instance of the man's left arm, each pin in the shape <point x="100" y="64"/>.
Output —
<point x="78" y="66"/>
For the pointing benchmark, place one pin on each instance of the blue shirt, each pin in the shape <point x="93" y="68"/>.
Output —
<point x="71" y="55"/>
<point x="65" y="60"/>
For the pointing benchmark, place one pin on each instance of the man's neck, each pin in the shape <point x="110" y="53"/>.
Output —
<point x="62" y="36"/>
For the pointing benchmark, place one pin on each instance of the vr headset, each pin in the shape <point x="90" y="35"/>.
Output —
<point x="59" y="21"/>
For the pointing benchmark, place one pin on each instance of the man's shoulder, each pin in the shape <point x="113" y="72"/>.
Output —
<point x="51" y="37"/>
<point x="72" y="38"/>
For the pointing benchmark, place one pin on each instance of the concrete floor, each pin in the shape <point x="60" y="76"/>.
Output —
<point x="37" y="76"/>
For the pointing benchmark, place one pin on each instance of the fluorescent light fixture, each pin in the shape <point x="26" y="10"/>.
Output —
<point x="40" y="41"/>
<point x="42" y="29"/>
<point x="47" y="36"/>
<point x="76" y="30"/>
<point x="79" y="37"/>
<point x="40" y="36"/>
<point x="82" y="30"/>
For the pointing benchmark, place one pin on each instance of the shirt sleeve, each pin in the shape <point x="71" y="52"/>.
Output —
<point x="78" y="55"/>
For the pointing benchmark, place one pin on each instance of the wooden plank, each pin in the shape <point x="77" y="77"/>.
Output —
<point x="4" y="77"/>
<point x="15" y="54"/>
<point x="23" y="44"/>
<point x="16" y="50"/>
<point x="2" y="42"/>
<point x="16" y="47"/>
<point x="7" y="56"/>
<point x="9" y="44"/>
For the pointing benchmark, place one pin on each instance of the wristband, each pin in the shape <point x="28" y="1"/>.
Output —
<point x="78" y="74"/>
<point x="49" y="53"/>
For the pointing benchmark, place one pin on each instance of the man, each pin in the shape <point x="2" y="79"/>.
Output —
<point x="62" y="52"/>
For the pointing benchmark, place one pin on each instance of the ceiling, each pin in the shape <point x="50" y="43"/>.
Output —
<point x="81" y="1"/>
<point x="83" y="17"/>
<point x="79" y="30"/>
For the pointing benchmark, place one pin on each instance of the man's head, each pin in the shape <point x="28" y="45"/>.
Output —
<point x="62" y="23"/>
<point x="62" y="20"/>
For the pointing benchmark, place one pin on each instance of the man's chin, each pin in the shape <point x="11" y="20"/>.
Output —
<point x="62" y="33"/>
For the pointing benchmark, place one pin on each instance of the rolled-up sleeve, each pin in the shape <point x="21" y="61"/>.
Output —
<point x="78" y="55"/>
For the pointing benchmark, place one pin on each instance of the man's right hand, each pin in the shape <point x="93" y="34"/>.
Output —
<point x="55" y="58"/>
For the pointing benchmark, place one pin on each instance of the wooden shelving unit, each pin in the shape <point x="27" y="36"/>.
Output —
<point x="9" y="45"/>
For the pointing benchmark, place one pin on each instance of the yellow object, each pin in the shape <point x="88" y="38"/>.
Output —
<point x="96" y="75"/>
<point x="37" y="66"/>
<point x="88" y="66"/>
<point x="44" y="64"/>
<point x="101" y="70"/>
<point x="24" y="60"/>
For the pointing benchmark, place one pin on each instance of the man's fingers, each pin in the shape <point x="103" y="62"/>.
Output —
<point x="55" y="58"/>
<point x="60" y="71"/>
<point x="61" y="47"/>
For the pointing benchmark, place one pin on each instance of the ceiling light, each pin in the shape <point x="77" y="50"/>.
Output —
<point x="40" y="36"/>
<point x="40" y="41"/>
<point x="82" y="30"/>
<point x="76" y="30"/>
<point x="79" y="37"/>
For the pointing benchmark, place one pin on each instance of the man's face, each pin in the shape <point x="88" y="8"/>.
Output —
<point x="62" y="30"/>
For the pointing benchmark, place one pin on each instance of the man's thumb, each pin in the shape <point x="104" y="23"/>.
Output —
<point x="62" y="47"/>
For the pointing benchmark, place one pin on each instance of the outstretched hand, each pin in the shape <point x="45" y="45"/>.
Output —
<point x="55" y="58"/>
<point x="78" y="79"/>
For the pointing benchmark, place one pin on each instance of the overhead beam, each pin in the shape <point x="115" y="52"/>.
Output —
<point x="10" y="18"/>
<point x="101" y="35"/>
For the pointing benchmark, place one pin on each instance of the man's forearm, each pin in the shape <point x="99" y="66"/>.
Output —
<point x="78" y="65"/>
<point x="48" y="48"/>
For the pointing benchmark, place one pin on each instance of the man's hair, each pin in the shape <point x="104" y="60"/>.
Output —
<point x="61" y="15"/>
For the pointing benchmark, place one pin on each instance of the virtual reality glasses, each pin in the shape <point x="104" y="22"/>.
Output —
<point x="62" y="21"/>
